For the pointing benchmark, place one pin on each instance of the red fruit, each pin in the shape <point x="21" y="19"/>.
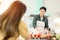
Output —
<point x="35" y="35"/>
<point x="30" y="35"/>
<point x="47" y="36"/>
<point x="39" y="35"/>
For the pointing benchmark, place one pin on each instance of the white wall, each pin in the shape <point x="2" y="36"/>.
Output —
<point x="53" y="9"/>
<point x="4" y="5"/>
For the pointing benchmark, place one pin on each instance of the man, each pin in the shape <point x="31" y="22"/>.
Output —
<point x="41" y="17"/>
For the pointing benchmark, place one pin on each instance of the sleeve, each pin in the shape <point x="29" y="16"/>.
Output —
<point x="34" y="22"/>
<point x="23" y="29"/>
<point x="46" y="23"/>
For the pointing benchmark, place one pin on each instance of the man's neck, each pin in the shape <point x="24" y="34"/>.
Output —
<point x="41" y="16"/>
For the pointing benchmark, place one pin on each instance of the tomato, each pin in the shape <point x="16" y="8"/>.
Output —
<point x="35" y="35"/>
<point x="39" y="35"/>
<point x="47" y="36"/>
<point x="30" y="35"/>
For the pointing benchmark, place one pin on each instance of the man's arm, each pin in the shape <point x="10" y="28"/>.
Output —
<point x="46" y="23"/>
<point x="34" y="22"/>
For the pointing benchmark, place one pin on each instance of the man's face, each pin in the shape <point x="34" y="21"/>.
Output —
<point x="42" y="12"/>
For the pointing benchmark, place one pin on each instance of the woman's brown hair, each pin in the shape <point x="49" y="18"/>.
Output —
<point x="12" y="16"/>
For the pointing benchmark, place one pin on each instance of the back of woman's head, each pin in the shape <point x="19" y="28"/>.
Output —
<point x="12" y="17"/>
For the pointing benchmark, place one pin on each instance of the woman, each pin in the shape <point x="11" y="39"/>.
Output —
<point x="10" y="22"/>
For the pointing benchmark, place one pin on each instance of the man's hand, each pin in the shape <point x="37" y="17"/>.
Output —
<point x="37" y="29"/>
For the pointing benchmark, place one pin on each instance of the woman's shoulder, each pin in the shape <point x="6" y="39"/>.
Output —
<point x="22" y="23"/>
<point x="2" y="35"/>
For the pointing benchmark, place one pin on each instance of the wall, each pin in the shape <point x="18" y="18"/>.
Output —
<point x="53" y="9"/>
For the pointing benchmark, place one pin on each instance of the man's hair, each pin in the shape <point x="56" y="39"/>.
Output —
<point x="43" y="8"/>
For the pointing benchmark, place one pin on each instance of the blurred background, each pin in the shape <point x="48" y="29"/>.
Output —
<point x="53" y="11"/>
